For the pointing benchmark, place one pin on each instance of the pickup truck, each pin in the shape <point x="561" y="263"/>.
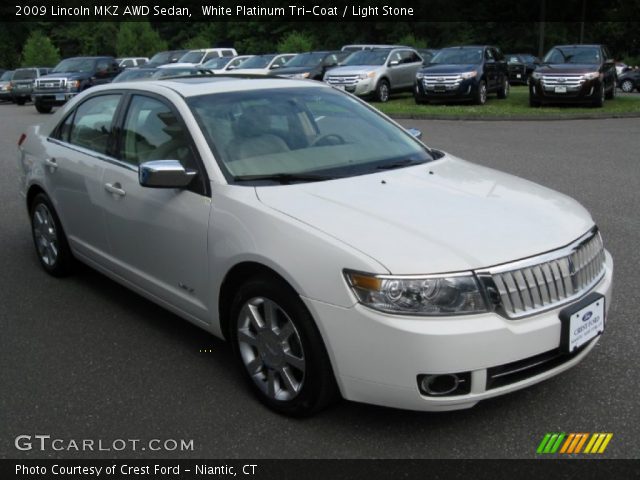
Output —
<point x="70" y="77"/>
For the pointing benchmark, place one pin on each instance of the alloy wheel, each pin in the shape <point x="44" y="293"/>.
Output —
<point x="271" y="349"/>
<point x="45" y="235"/>
<point x="627" y="86"/>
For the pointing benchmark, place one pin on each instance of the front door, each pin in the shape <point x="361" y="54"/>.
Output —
<point x="158" y="236"/>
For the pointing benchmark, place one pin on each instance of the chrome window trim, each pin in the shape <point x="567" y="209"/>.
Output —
<point x="96" y="155"/>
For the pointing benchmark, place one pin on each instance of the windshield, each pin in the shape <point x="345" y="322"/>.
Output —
<point x="301" y="131"/>
<point x="576" y="55"/>
<point x="306" y="60"/>
<point x="162" y="57"/>
<point x="6" y="76"/>
<point x="367" y="57"/>
<point x="259" y="61"/>
<point x="458" y="56"/>
<point x="75" y="65"/>
<point x="217" y="63"/>
<point x="192" y="57"/>
<point x="25" y="74"/>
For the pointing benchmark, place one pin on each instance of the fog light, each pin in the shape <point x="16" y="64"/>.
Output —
<point x="435" y="385"/>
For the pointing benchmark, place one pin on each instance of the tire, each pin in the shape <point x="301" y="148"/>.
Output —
<point x="611" y="94"/>
<point x="284" y="344"/>
<point x="20" y="101"/>
<point x="598" y="102"/>
<point x="533" y="102"/>
<point x="43" y="108"/>
<point x="627" y="86"/>
<point x="49" y="238"/>
<point x="503" y="91"/>
<point x="481" y="93"/>
<point x="383" y="91"/>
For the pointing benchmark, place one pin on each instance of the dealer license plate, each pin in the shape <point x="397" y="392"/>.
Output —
<point x="582" y="322"/>
<point x="518" y="75"/>
<point x="60" y="96"/>
<point x="439" y="88"/>
<point x="561" y="90"/>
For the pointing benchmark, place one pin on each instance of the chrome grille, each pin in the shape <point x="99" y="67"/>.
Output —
<point x="547" y="281"/>
<point x="51" y="83"/>
<point x="342" y="79"/>
<point x="571" y="81"/>
<point x="448" y="81"/>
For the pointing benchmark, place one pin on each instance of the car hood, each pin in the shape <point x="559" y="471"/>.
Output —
<point x="354" y="69"/>
<point x="568" y="68"/>
<point x="444" y="69"/>
<point x="67" y="75"/>
<point x="461" y="216"/>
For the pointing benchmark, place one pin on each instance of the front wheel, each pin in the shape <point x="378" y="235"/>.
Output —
<point x="481" y="93"/>
<point x="43" y="108"/>
<point x="383" y="91"/>
<point x="278" y="344"/>
<point x="503" y="91"/>
<point x="49" y="238"/>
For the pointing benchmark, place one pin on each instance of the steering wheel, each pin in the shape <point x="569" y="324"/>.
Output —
<point x="329" y="139"/>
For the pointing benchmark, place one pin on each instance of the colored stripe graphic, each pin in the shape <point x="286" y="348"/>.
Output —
<point x="573" y="443"/>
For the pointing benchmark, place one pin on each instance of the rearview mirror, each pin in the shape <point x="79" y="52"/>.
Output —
<point x="164" y="174"/>
<point x="414" y="132"/>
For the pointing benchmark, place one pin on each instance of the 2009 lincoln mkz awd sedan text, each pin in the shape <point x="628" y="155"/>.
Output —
<point x="337" y="253"/>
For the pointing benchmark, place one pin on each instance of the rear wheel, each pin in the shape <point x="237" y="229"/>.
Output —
<point x="43" y="108"/>
<point x="481" y="93"/>
<point x="278" y="344"/>
<point x="627" y="86"/>
<point x="503" y="91"/>
<point x="383" y="91"/>
<point x="49" y="238"/>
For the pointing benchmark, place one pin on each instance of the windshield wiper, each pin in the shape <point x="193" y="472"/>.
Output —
<point x="400" y="164"/>
<point x="284" y="178"/>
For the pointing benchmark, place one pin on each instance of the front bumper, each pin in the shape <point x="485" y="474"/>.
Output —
<point x="361" y="88"/>
<point x="53" y="99"/>
<point x="377" y="358"/>
<point x="464" y="91"/>
<point x="585" y="93"/>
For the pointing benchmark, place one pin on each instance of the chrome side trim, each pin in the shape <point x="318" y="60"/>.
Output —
<point x="91" y="153"/>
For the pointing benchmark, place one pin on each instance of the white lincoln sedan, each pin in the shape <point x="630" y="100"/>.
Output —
<point x="337" y="253"/>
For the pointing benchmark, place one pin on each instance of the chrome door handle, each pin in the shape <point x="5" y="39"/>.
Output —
<point x="51" y="162"/>
<point x="115" y="188"/>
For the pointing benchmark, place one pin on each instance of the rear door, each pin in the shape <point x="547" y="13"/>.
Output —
<point x="77" y="153"/>
<point x="158" y="237"/>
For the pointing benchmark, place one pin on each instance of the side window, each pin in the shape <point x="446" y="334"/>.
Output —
<point x="409" y="56"/>
<point x="63" y="130"/>
<point x="153" y="132"/>
<point x="102" y="65"/>
<point x="227" y="53"/>
<point x="488" y="55"/>
<point x="92" y="124"/>
<point x="210" y="55"/>
<point x="128" y="63"/>
<point x="279" y="61"/>
<point x="395" y="57"/>
<point x="497" y="54"/>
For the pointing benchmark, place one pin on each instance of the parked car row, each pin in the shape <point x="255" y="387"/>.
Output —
<point x="567" y="74"/>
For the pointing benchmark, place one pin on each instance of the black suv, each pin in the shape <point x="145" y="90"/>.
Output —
<point x="70" y="77"/>
<point x="574" y="74"/>
<point x="463" y="73"/>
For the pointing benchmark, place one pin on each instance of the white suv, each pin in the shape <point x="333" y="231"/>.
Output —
<point x="336" y="252"/>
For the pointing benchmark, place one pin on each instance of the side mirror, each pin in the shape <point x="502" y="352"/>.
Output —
<point x="393" y="63"/>
<point x="414" y="132"/>
<point x="164" y="174"/>
<point x="275" y="65"/>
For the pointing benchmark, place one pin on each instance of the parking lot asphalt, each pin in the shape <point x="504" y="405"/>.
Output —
<point x="84" y="358"/>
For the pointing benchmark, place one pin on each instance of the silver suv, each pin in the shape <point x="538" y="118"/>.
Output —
<point x="376" y="72"/>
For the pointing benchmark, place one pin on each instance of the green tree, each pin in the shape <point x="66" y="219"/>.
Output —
<point x="39" y="51"/>
<point x="410" y="40"/>
<point x="296" y="42"/>
<point x="138" y="39"/>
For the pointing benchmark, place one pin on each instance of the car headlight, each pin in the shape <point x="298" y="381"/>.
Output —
<point x="591" y="75"/>
<point x="536" y="75"/>
<point x="301" y="75"/>
<point x="467" y="75"/>
<point x="73" y="84"/>
<point x="419" y="295"/>
<point x="362" y="76"/>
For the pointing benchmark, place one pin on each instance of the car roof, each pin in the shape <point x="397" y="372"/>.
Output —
<point x="203" y="85"/>
<point x="594" y="45"/>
